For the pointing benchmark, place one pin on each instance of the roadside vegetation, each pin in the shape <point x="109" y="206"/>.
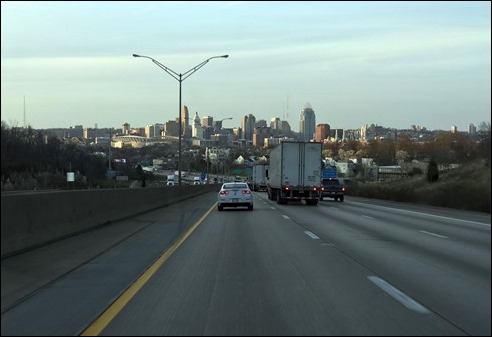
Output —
<point x="466" y="188"/>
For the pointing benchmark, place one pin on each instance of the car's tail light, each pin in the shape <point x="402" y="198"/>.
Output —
<point x="224" y="192"/>
<point x="246" y="192"/>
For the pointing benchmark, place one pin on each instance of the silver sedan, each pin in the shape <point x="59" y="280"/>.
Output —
<point x="235" y="194"/>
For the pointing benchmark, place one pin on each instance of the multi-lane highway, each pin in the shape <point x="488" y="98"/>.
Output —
<point x="359" y="267"/>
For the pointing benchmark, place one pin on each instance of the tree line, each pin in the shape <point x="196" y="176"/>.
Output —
<point x="444" y="147"/>
<point x="33" y="159"/>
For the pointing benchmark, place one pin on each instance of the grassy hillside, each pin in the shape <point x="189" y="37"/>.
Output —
<point x="467" y="188"/>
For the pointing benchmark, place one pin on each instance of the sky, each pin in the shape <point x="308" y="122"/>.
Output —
<point x="393" y="64"/>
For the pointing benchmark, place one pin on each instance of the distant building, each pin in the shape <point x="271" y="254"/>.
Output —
<point x="258" y="140"/>
<point x="322" y="132"/>
<point x="472" y="129"/>
<point x="307" y="123"/>
<point x="153" y="130"/>
<point x="285" y="127"/>
<point x="196" y="128"/>
<point x="275" y="123"/>
<point x="247" y="125"/>
<point x="171" y="129"/>
<point x="208" y="121"/>
<point x="125" y="129"/>
<point x="184" y="119"/>
<point x="89" y="133"/>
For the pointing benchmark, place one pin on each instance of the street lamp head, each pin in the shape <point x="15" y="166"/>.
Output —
<point x="225" y="56"/>
<point x="136" y="55"/>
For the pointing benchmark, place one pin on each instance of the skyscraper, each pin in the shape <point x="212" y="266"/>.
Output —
<point x="185" y="118"/>
<point x="307" y="123"/>
<point x="196" y="128"/>
<point x="248" y="125"/>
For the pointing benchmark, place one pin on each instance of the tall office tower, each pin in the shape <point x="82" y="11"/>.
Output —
<point x="149" y="130"/>
<point x="275" y="123"/>
<point x="208" y="121"/>
<point x="185" y="119"/>
<point x="307" y="122"/>
<point x="158" y="127"/>
<point x="244" y="121"/>
<point x="454" y="129"/>
<point x="196" y="128"/>
<point x="125" y="129"/>
<point x="248" y="126"/>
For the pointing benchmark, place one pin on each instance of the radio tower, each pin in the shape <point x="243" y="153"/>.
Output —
<point x="24" y="110"/>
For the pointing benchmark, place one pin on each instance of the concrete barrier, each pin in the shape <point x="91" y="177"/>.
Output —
<point x="30" y="220"/>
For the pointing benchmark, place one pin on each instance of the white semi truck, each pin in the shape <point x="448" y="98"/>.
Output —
<point x="259" y="177"/>
<point x="170" y="180"/>
<point x="295" y="172"/>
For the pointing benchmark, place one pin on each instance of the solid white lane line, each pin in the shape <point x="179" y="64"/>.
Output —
<point x="426" y="214"/>
<point x="434" y="234"/>
<point x="285" y="216"/>
<point x="398" y="295"/>
<point x="312" y="235"/>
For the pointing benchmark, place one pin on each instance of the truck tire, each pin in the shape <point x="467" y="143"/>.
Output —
<point x="280" y="201"/>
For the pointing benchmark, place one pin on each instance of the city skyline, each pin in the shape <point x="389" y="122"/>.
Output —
<point x="386" y="63"/>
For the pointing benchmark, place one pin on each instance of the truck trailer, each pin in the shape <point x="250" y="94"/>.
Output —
<point x="295" y="172"/>
<point x="260" y="177"/>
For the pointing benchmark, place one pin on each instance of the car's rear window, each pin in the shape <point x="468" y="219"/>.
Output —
<point x="331" y="182"/>
<point x="234" y="186"/>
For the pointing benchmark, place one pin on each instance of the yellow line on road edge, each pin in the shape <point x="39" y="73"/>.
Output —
<point x="109" y="314"/>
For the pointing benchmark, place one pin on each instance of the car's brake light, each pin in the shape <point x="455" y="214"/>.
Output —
<point x="245" y="192"/>
<point x="224" y="192"/>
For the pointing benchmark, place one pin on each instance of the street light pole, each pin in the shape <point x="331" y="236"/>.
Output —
<point x="180" y="78"/>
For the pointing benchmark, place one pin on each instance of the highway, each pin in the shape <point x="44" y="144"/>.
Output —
<point x="359" y="267"/>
